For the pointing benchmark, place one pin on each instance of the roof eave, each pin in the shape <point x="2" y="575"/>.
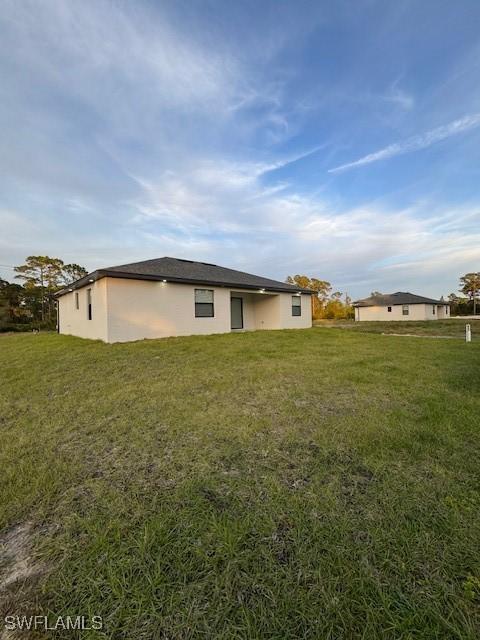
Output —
<point x="81" y="282"/>
<point x="107" y="273"/>
<point x="400" y="304"/>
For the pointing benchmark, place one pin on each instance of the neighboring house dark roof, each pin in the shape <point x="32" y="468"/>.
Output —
<point x="391" y="299"/>
<point x="185" y="271"/>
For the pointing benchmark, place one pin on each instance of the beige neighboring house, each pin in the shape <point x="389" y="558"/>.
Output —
<point x="401" y="306"/>
<point x="173" y="297"/>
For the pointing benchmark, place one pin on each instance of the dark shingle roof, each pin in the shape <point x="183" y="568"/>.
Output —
<point x="186" y="271"/>
<point x="391" y="299"/>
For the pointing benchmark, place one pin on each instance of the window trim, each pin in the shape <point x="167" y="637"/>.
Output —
<point x="296" y="307"/>
<point x="204" y="305"/>
<point x="405" y="310"/>
<point x="89" y="304"/>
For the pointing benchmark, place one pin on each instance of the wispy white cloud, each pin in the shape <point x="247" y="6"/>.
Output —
<point x="277" y="231"/>
<point x="415" y="143"/>
<point x="271" y="231"/>
<point x="400" y="98"/>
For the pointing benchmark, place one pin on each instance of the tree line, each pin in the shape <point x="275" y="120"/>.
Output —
<point x="326" y="303"/>
<point x="32" y="304"/>
<point x="466" y="304"/>
<point x="329" y="304"/>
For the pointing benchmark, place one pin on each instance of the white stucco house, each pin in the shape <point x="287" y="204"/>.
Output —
<point x="401" y="306"/>
<point x="174" y="297"/>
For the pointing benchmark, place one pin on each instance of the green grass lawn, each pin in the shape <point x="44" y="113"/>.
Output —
<point x="452" y="328"/>
<point x="294" y="484"/>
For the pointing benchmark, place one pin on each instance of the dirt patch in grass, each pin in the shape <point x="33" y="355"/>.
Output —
<point x="20" y="570"/>
<point x="354" y="482"/>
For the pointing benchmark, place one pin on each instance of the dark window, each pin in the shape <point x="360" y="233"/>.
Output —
<point x="77" y="303"/>
<point x="389" y="309"/>
<point x="89" y="304"/>
<point x="296" y="306"/>
<point x="204" y="303"/>
<point x="433" y="309"/>
<point x="405" y="310"/>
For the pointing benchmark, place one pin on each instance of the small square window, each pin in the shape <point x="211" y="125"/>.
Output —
<point x="389" y="309"/>
<point x="405" y="310"/>
<point x="296" y="306"/>
<point x="204" y="303"/>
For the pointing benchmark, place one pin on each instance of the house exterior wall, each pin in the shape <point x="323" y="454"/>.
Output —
<point x="127" y="309"/>
<point x="275" y="312"/>
<point x="287" y="321"/>
<point x="267" y="312"/>
<point x="443" y="311"/>
<point x="75" y="322"/>
<point x="429" y="312"/>
<point x="416" y="312"/>
<point x="140" y="309"/>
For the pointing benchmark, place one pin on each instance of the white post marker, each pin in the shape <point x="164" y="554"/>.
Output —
<point x="468" y="333"/>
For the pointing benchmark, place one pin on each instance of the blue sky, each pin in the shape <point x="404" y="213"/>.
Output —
<point x="336" y="139"/>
